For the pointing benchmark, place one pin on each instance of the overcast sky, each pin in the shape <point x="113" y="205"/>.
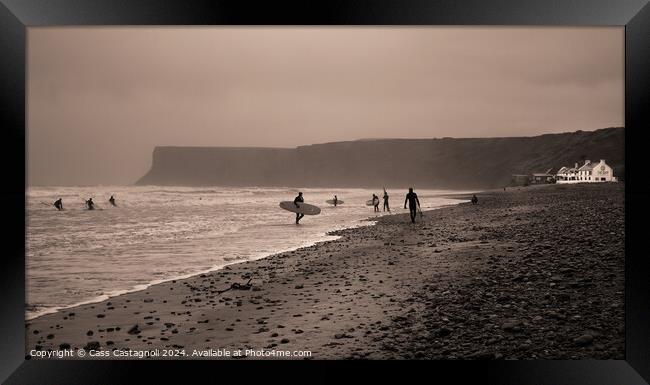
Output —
<point x="101" y="99"/>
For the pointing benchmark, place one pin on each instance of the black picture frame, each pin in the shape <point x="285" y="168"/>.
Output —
<point x="18" y="15"/>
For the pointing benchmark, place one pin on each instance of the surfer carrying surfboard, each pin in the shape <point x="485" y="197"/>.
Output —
<point x="414" y="203"/>
<point x="299" y="199"/>
<point x="112" y="200"/>
<point x="375" y="202"/>
<point x="59" y="204"/>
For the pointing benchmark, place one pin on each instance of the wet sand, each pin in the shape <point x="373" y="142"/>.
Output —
<point x="528" y="273"/>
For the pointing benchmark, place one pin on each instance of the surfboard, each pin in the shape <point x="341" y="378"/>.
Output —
<point x="372" y="202"/>
<point x="303" y="208"/>
<point x="331" y="201"/>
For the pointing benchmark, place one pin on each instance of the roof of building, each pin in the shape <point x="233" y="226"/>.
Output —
<point x="541" y="174"/>
<point x="585" y="167"/>
<point x="588" y="166"/>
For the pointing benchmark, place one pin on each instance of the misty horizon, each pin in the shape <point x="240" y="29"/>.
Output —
<point x="101" y="99"/>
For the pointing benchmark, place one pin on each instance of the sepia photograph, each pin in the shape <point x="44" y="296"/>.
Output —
<point x="325" y="193"/>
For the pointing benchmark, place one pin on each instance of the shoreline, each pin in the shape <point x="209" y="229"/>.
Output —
<point x="142" y="287"/>
<point x="471" y="282"/>
<point x="138" y="288"/>
<point x="105" y="297"/>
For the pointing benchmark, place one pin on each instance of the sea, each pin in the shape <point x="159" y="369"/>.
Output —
<point x="157" y="234"/>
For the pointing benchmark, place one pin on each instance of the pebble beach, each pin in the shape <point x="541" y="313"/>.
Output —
<point x="528" y="273"/>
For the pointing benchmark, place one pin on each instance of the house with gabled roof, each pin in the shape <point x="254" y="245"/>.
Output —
<point x="587" y="173"/>
<point x="567" y="174"/>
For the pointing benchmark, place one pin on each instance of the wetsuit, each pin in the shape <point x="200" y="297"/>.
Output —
<point x="299" y="199"/>
<point x="90" y="204"/>
<point x="112" y="200"/>
<point x="386" y="207"/>
<point x="414" y="202"/>
<point x="375" y="202"/>
<point x="58" y="204"/>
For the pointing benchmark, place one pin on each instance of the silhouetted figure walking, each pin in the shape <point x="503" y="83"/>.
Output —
<point x="59" y="204"/>
<point x="299" y="199"/>
<point x="386" y="207"/>
<point x="112" y="200"/>
<point x="414" y="203"/>
<point x="474" y="199"/>
<point x="90" y="204"/>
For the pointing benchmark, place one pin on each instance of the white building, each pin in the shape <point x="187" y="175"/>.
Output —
<point x="567" y="174"/>
<point x="588" y="173"/>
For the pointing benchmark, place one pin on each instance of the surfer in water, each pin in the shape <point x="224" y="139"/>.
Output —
<point x="59" y="204"/>
<point x="299" y="199"/>
<point x="375" y="202"/>
<point x="386" y="207"/>
<point x="112" y="200"/>
<point x="336" y="200"/>
<point x="90" y="204"/>
<point x="414" y="203"/>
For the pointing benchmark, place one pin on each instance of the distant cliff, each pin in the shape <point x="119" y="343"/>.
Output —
<point x="446" y="163"/>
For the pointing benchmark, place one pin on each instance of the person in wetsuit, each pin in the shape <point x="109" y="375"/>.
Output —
<point x="386" y="207"/>
<point x="375" y="202"/>
<point x="336" y="201"/>
<point x="474" y="199"/>
<point x="299" y="199"/>
<point x="414" y="203"/>
<point x="59" y="204"/>
<point x="112" y="200"/>
<point x="90" y="204"/>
